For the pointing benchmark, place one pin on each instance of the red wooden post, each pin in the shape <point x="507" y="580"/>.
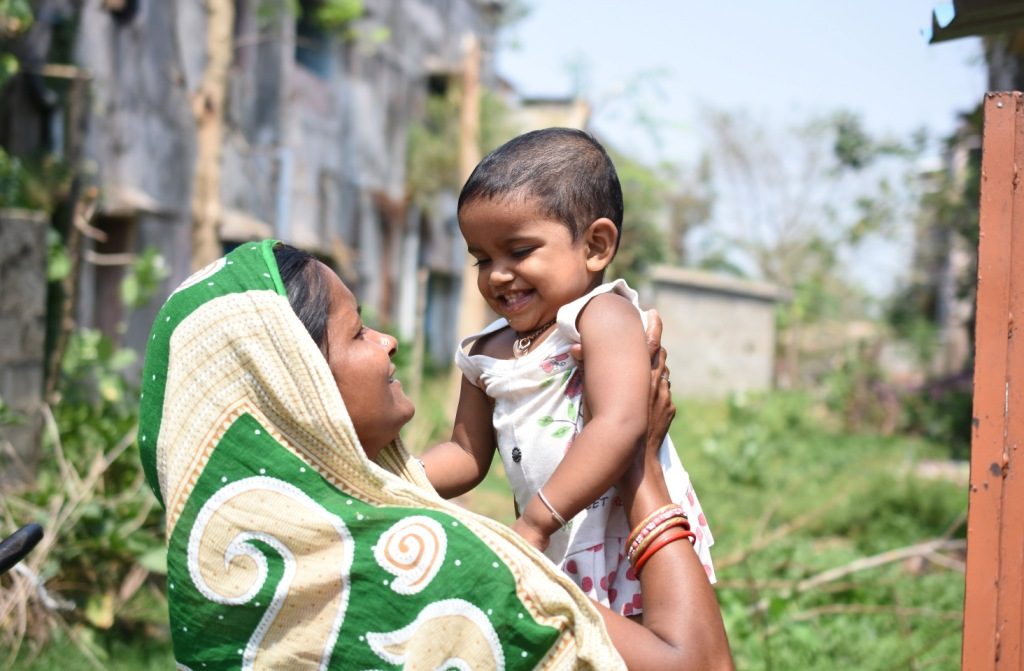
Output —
<point x="994" y="601"/>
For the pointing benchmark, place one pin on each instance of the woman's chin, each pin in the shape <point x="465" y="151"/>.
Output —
<point x="403" y="401"/>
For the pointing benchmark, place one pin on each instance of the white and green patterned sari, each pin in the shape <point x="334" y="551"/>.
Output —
<point x="287" y="547"/>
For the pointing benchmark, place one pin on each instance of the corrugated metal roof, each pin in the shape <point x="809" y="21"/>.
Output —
<point x="967" y="18"/>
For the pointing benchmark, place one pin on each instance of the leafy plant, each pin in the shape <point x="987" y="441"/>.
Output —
<point x="831" y="550"/>
<point x="338" y="14"/>
<point x="102" y="556"/>
<point x="15" y="18"/>
<point x="643" y="242"/>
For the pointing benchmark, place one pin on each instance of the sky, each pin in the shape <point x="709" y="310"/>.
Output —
<point x="777" y="59"/>
<point x="776" y="62"/>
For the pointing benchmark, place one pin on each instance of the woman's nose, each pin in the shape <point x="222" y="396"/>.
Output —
<point x="388" y="342"/>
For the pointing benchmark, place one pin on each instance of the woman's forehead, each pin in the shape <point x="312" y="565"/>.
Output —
<point x="342" y="299"/>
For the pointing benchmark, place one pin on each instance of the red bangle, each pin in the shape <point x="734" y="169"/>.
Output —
<point x="662" y="541"/>
<point x="644" y="540"/>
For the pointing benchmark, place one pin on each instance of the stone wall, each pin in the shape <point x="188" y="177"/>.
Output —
<point x="22" y="334"/>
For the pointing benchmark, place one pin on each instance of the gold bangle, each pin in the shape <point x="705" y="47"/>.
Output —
<point x="646" y="523"/>
<point x="647" y="540"/>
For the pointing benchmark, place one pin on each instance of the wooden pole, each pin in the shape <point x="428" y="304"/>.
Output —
<point x="472" y="309"/>
<point x="208" y="109"/>
<point x="81" y="205"/>
<point x="994" y="598"/>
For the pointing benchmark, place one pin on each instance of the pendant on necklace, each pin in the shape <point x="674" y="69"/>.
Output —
<point x="521" y="346"/>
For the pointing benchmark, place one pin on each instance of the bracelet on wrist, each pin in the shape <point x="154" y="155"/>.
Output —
<point x="650" y="523"/>
<point x="663" y="540"/>
<point x="644" y="541"/>
<point x="554" y="513"/>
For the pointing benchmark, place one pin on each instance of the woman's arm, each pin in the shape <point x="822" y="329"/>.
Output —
<point x="616" y="392"/>
<point x="682" y="624"/>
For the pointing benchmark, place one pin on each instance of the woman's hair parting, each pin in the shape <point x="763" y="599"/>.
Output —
<point x="565" y="170"/>
<point x="307" y="291"/>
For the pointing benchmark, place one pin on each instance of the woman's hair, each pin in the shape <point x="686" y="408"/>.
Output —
<point x="306" y="288"/>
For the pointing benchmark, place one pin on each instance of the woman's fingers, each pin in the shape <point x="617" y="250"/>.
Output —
<point x="654" y="328"/>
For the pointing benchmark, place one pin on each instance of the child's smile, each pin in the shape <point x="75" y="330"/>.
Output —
<point x="528" y="264"/>
<point x="515" y="300"/>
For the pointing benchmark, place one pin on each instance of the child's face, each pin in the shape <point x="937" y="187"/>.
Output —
<point x="528" y="265"/>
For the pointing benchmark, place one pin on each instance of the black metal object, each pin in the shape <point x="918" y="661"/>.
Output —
<point x="14" y="548"/>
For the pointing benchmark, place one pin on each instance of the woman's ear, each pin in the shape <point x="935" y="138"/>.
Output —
<point x="600" y="238"/>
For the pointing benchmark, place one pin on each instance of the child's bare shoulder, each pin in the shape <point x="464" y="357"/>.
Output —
<point x="497" y="345"/>
<point x="607" y="310"/>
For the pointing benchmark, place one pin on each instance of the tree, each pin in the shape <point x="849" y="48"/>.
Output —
<point x="800" y="203"/>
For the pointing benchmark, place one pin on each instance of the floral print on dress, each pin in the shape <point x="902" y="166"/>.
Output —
<point x="574" y="387"/>
<point x="572" y="379"/>
<point x="556" y="363"/>
<point x="548" y="384"/>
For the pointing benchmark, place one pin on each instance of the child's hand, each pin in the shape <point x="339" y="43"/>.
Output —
<point x="534" y="536"/>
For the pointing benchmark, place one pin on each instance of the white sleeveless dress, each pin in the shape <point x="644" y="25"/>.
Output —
<point x="538" y="411"/>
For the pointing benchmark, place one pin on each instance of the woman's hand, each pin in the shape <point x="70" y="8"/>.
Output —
<point x="661" y="411"/>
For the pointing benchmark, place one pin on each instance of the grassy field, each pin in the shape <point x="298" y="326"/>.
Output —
<point x="833" y="550"/>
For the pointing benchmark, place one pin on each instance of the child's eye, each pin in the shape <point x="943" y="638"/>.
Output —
<point x="361" y="332"/>
<point x="481" y="262"/>
<point x="521" y="253"/>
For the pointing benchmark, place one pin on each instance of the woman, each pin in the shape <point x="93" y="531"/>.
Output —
<point x="301" y="534"/>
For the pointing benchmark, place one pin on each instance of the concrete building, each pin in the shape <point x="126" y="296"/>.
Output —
<point x="314" y="150"/>
<point x="719" y="330"/>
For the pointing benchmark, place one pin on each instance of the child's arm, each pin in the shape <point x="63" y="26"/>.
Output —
<point x="455" y="467"/>
<point x="616" y="385"/>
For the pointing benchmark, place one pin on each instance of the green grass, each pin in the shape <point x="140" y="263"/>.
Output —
<point x="134" y="654"/>
<point x="789" y="497"/>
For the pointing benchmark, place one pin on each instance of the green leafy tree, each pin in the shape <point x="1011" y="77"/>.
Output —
<point x="801" y="203"/>
<point x="643" y="241"/>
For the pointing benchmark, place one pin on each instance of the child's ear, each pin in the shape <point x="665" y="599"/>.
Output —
<point x="600" y="238"/>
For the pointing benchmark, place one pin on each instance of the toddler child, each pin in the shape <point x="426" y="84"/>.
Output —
<point x="542" y="216"/>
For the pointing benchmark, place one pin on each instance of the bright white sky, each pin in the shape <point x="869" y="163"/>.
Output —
<point x="779" y="61"/>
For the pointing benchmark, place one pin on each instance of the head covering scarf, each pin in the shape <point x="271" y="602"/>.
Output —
<point x="287" y="548"/>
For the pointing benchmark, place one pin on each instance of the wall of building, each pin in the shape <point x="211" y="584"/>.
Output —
<point x="316" y="128"/>
<point x="719" y="331"/>
<point x="22" y="335"/>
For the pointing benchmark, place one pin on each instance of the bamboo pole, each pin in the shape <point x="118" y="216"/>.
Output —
<point x="472" y="309"/>
<point x="208" y="109"/>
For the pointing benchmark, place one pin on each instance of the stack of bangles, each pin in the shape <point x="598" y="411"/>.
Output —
<point x="665" y="525"/>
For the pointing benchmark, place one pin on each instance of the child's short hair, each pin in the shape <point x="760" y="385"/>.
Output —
<point x="565" y="170"/>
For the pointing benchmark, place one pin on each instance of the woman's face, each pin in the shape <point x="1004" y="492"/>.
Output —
<point x="360" y="360"/>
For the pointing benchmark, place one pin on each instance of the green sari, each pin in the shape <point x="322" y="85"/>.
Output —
<point x="286" y="547"/>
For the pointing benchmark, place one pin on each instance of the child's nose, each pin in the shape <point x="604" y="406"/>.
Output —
<point x="500" y="274"/>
